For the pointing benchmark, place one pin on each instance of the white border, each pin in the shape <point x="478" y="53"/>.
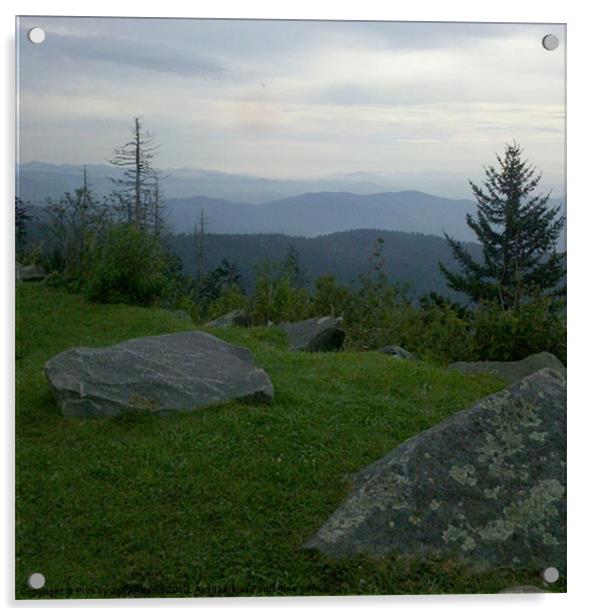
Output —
<point x="573" y="12"/>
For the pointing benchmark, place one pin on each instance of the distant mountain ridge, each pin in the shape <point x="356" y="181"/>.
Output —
<point x="313" y="214"/>
<point x="245" y="204"/>
<point x="38" y="180"/>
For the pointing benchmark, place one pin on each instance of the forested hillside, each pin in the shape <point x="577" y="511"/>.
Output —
<point x="409" y="257"/>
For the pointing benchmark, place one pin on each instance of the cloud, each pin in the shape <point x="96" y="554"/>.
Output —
<point x="145" y="56"/>
<point x="291" y="99"/>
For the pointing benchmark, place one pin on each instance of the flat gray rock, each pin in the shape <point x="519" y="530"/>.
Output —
<point x="486" y="486"/>
<point x="174" y="372"/>
<point x="316" y="334"/>
<point x="397" y="351"/>
<point x="511" y="371"/>
<point x="236" y="318"/>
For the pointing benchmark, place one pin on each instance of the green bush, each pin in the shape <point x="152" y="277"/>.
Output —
<point x="231" y="298"/>
<point x="378" y="312"/>
<point x="507" y="335"/>
<point x="130" y="266"/>
<point x="55" y="280"/>
<point x="440" y="335"/>
<point x="276" y="298"/>
<point x="330" y="298"/>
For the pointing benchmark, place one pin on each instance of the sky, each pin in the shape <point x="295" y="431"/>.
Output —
<point x="296" y="99"/>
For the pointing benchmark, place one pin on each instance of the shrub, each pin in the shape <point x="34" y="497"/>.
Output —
<point x="440" y="335"/>
<point x="506" y="335"/>
<point x="329" y="298"/>
<point x="231" y="298"/>
<point x="208" y="291"/>
<point x="129" y="267"/>
<point x="276" y="298"/>
<point x="378" y="311"/>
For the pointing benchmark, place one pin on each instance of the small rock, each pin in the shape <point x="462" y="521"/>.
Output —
<point x="397" y="352"/>
<point x="316" y="334"/>
<point x="511" y="371"/>
<point x="184" y="315"/>
<point x="236" y="318"/>
<point x="30" y="273"/>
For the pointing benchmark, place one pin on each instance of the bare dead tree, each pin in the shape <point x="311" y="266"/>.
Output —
<point x="199" y="236"/>
<point x="154" y="207"/>
<point x="136" y="157"/>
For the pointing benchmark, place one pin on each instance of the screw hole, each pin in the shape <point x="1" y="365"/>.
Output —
<point x="551" y="575"/>
<point x="36" y="581"/>
<point x="36" y="35"/>
<point x="550" y="42"/>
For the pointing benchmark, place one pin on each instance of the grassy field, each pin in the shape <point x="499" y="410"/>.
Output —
<point x="215" y="502"/>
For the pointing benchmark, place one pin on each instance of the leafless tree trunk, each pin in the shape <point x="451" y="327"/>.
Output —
<point x="135" y="157"/>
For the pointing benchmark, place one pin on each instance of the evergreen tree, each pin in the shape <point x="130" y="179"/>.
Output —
<point x="21" y="216"/>
<point x="293" y="269"/>
<point x="199" y="236"/>
<point x="213" y="284"/>
<point x="518" y="232"/>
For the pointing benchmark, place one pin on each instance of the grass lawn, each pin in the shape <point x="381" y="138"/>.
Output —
<point x="215" y="502"/>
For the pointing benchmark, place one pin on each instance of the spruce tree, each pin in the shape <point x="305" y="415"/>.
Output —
<point x="518" y="233"/>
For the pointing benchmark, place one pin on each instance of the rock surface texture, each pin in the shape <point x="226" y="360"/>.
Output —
<point x="512" y="371"/>
<point x="316" y="334"/>
<point x="486" y="486"/>
<point x="236" y="318"/>
<point x="174" y="372"/>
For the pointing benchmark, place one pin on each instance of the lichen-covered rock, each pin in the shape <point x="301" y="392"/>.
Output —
<point x="236" y="318"/>
<point x="511" y="371"/>
<point x="316" y="334"/>
<point x="486" y="486"/>
<point x="397" y="351"/>
<point x="174" y="372"/>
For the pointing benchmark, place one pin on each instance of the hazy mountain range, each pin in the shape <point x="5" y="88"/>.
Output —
<point x="334" y="231"/>
<point x="244" y="204"/>
<point x="38" y="180"/>
<point x="312" y="214"/>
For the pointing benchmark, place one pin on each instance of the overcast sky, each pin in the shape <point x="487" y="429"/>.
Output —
<point x="295" y="99"/>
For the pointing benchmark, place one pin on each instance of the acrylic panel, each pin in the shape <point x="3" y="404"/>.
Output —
<point x="291" y="308"/>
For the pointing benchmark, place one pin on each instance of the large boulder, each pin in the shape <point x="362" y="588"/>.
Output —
<point x="316" y="334"/>
<point x="174" y="372"/>
<point x="29" y="273"/>
<point x="486" y="486"/>
<point x="511" y="371"/>
<point x="236" y="318"/>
